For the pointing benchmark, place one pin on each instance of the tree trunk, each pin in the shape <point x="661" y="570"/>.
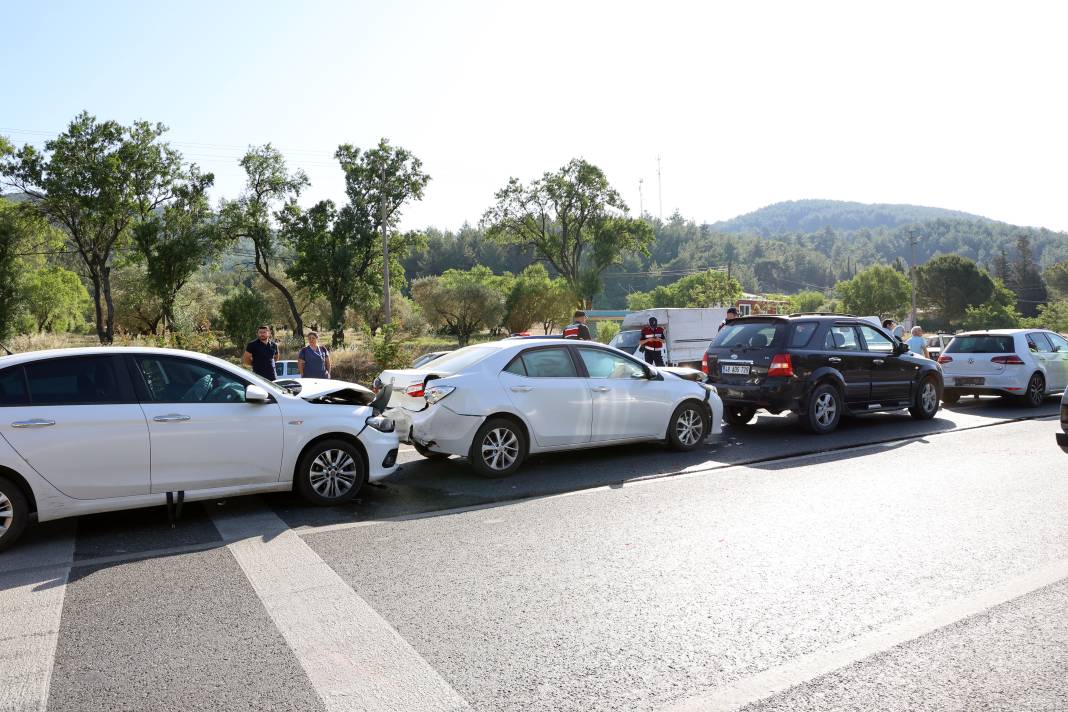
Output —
<point x="98" y="306"/>
<point x="110" y="324"/>
<point x="298" y="323"/>
<point x="337" y="324"/>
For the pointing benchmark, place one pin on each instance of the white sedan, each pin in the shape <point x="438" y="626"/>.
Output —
<point x="101" y="429"/>
<point x="496" y="403"/>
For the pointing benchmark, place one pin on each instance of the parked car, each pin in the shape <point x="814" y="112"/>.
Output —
<point x="688" y="332"/>
<point x="1027" y="363"/>
<point x="496" y="403"/>
<point x="819" y="366"/>
<point x="1062" y="437"/>
<point x="102" y="429"/>
<point x="936" y="343"/>
<point x="286" y="369"/>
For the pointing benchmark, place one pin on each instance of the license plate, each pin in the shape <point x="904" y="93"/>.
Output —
<point x="737" y="370"/>
<point x="969" y="381"/>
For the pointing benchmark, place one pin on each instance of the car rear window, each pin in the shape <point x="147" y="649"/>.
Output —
<point x="460" y="359"/>
<point x="753" y="335"/>
<point x="801" y="333"/>
<point x="981" y="344"/>
<point x="626" y="339"/>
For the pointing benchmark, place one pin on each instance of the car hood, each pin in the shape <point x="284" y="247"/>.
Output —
<point x="326" y="390"/>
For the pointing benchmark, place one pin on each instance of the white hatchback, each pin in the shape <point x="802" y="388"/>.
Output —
<point x="1028" y="363"/>
<point x="496" y="403"/>
<point x="102" y="429"/>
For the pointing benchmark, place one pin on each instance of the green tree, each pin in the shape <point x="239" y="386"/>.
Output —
<point x="878" y="290"/>
<point x="1029" y="287"/>
<point x="177" y="241"/>
<point x="606" y="331"/>
<point x="463" y="303"/>
<point x="531" y="299"/>
<point x="1052" y="316"/>
<point x="573" y="219"/>
<point x="378" y="182"/>
<point x="241" y="313"/>
<point x="810" y="301"/>
<point x="12" y="240"/>
<point x="1056" y="276"/>
<point x="997" y="312"/>
<point x="949" y="284"/>
<point x="269" y="189"/>
<point x="95" y="180"/>
<point x="705" y="289"/>
<point x="56" y="299"/>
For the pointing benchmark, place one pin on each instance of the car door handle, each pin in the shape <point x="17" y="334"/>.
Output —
<point x="601" y="389"/>
<point x="522" y="389"/>
<point x="35" y="423"/>
<point x="878" y="361"/>
<point x="171" y="418"/>
<point x="835" y="359"/>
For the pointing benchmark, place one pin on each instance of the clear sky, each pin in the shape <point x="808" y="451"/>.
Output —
<point x="960" y="105"/>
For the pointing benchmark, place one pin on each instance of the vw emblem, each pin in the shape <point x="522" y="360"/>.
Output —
<point x="971" y="360"/>
<point x="734" y="356"/>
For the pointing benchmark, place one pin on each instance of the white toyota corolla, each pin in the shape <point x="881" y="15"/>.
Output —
<point x="496" y="403"/>
<point x="101" y="429"/>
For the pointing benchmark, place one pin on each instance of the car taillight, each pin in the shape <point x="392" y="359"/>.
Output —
<point x="415" y="390"/>
<point x="1012" y="360"/>
<point x="945" y="359"/>
<point x="704" y="363"/>
<point x="781" y="365"/>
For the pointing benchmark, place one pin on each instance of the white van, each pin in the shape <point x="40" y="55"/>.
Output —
<point x="688" y="332"/>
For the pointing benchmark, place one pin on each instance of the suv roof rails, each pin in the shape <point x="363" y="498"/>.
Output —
<point x="851" y="316"/>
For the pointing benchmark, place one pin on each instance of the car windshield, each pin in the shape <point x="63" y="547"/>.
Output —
<point x="752" y="334"/>
<point x="626" y="339"/>
<point x="981" y="344"/>
<point x="460" y="359"/>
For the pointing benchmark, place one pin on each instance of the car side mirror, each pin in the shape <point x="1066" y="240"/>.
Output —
<point x="901" y="348"/>
<point x="256" y="394"/>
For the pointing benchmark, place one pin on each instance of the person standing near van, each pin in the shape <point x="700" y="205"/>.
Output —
<point x="313" y="361"/>
<point x="261" y="354"/>
<point x="652" y="342"/>
<point x="578" y="329"/>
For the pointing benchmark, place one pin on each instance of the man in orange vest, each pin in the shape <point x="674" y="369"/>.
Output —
<point x="578" y="329"/>
<point x="652" y="342"/>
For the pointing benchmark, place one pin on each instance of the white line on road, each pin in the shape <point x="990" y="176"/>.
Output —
<point x="354" y="659"/>
<point x="776" y="680"/>
<point x="32" y="604"/>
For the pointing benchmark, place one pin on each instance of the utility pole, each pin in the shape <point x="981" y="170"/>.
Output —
<point x="660" y="188"/>
<point x="912" y="275"/>
<point x="387" y="316"/>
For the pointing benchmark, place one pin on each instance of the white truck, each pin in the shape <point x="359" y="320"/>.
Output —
<point x="688" y="332"/>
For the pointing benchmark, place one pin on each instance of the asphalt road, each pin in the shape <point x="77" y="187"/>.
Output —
<point x="896" y="565"/>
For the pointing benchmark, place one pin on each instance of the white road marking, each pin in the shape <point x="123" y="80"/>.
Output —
<point x="354" y="659"/>
<point x="805" y="668"/>
<point x="32" y="605"/>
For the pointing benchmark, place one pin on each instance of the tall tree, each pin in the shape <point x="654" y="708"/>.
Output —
<point x="95" y="180"/>
<point x="949" y="284"/>
<point x="12" y="242"/>
<point x="378" y="182"/>
<point x="1029" y="287"/>
<point x="269" y="188"/>
<point x="573" y="219"/>
<point x="178" y="240"/>
<point x="878" y="290"/>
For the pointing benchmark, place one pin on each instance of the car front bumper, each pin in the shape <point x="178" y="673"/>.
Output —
<point x="437" y="428"/>
<point x="382" y="449"/>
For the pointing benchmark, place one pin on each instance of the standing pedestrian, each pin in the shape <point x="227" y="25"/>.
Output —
<point x="261" y="353"/>
<point x="918" y="344"/>
<point x="652" y="342"/>
<point x="578" y="329"/>
<point x="313" y="361"/>
<point x="732" y="314"/>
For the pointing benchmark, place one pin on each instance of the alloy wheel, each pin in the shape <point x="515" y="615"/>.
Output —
<point x="1036" y="390"/>
<point x="333" y="473"/>
<point x="929" y="397"/>
<point x="689" y="427"/>
<point x="7" y="513"/>
<point x="500" y="448"/>
<point x="826" y="409"/>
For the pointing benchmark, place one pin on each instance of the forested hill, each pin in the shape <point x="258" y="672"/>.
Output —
<point x="804" y="216"/>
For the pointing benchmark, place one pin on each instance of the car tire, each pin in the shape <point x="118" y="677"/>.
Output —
<point x="823" y="410"/>
<point x="925" y="403"/>
<point x="688" y="426"/>
<point x="1036" y="391"/>
<point x="738" y="415"/>
<point x="331" y="472"/>
<point x="14" y="513"/>
<point x="430" y="454"/>
<point x="950" y="397"/>
<point x="498" y="448"/>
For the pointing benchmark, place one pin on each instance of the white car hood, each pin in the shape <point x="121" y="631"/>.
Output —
<point x="312" y="388"/>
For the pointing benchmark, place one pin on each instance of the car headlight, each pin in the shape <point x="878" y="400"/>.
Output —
<point x="435" y="393"/>
<point x="382" y="423"/>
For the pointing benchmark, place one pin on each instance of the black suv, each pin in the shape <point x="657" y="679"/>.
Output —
<point x="818" y="366"/>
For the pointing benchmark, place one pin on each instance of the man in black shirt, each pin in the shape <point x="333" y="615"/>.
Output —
<point x="261" y="354"/>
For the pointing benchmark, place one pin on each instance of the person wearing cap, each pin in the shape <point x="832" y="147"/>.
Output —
<point x="732" y="314"/>
<point x="652" y="342"/>
<point x="578" y="329"/>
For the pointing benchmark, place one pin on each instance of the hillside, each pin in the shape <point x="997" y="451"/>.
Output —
<point x="807" y="216"/>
